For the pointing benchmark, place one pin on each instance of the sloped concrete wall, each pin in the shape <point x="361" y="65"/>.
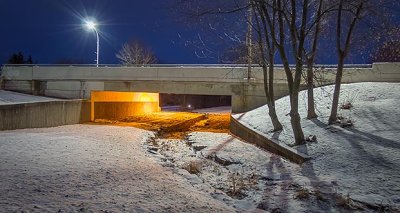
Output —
<point x="44" y="114"/>
<point x="248" y="134"/>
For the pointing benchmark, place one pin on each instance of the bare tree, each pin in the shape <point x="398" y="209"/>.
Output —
<point x="310" y="60"/>
<point x="241" y="12"/>
<point x="389" y="50"/>
<point x="349" y="17"/>
<point x="136" y="53"/>
<point x="265" y="27"/>
<point x="294" y="28"/>
<point x="288" y="20"/>
<point x="238" y="54"/>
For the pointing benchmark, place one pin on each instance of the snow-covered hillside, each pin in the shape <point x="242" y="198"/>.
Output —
<point x="362" y="161"/>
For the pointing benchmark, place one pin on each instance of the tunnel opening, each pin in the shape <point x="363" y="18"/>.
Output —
<point x="169" y="115"/>
<point x="118" y="105"/>
<point x="184" y="102"/>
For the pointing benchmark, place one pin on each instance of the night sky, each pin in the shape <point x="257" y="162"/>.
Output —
<point x="52" y="31"/>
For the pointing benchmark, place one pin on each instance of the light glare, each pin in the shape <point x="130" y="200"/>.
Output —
<point x="91" y="25"/>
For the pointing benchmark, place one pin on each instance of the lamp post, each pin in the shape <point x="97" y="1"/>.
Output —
<point x="92" y="26"/>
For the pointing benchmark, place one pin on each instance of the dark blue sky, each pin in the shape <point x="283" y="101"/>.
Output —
<point x="52" y="30"/>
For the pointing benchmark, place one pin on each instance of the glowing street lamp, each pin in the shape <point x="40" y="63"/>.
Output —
<point x="90" y="25"/>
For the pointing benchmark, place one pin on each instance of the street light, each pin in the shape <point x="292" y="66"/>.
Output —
<point x="90" y="25"/>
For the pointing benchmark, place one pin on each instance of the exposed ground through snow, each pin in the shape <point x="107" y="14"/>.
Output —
<point x="175" y="124"/>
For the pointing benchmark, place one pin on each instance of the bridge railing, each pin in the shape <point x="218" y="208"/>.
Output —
<point x="230" y="73"/>
<point x="183" y="65"/>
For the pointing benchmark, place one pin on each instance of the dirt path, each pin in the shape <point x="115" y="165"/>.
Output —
<point x="91" y="168"/>
<point x="175" y="125"/>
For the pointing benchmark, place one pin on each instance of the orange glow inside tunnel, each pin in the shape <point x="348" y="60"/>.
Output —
<point x="146" y="97"/>
<point x="115" y="105"/>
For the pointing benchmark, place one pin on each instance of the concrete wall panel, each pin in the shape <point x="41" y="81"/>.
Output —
<point x="43" y="114"/>
<point x="21" y="86"/>
<point x="71" y="94"/>
<point x="63" y="85"/>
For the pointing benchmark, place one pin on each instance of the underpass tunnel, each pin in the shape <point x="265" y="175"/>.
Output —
<point x="188" y="102"/>
<point x="116" y="105"/>
<point x="182" y="113"/>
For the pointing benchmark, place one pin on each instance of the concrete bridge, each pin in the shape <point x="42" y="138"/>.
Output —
<point x="77" y="82"/>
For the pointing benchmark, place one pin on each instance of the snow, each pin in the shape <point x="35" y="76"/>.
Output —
<point x="362" y="161"/>
<point x="112" y="168"/>
<point x="91" y="168"/>
<point x="252" y="168"/>
<point x="263" y="181"/>
<point x="8" y="97"/>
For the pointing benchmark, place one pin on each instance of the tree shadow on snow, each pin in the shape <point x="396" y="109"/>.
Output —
<point x="279" y="182"/>
<point x="377" y="140"/>
<point x="357" y="139"/>
<point x="373" y="156"/>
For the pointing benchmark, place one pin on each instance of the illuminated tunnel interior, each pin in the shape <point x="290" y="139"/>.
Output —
<point x="182" y="113"/>
<point x="116" y="105"/>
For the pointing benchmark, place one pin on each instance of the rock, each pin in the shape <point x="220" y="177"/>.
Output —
<point x="222" y="160"/>
<point x="152" y="148"/>
<point x="152" y="152"/>
<point x="197" y="147"/>
<point x="311" y="138"/>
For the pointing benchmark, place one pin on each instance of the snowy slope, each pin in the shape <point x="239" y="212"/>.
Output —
<point x="91" y="168"/>
<point x="363" y="160"/>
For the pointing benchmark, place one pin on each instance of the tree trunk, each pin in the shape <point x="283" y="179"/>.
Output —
<point x="310" y="91"/>
<point x="336" y="93"/>
<point x="274" y="118"/>
<point x="270" y="98"/>
<point x="294" y="104"/>
<point x="268" y="71"/>
<point x="295" y="119"/>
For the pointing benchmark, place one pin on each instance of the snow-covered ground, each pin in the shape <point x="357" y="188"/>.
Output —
<point x="361" y="161"/>
<point x="8" y="97"/>
<point x="91" y="168"/>
<point x="113" y="168"/>
<point x="242" y="175"/>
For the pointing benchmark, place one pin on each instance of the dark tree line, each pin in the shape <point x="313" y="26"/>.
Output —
<point x="19" y="58"/>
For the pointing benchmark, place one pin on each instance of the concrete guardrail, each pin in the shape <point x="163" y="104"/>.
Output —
<point x="254" y="137"/>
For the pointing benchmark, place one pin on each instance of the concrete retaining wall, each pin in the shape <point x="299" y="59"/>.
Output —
<point x="254" y="137"/>
<point x="44" y="114"/>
